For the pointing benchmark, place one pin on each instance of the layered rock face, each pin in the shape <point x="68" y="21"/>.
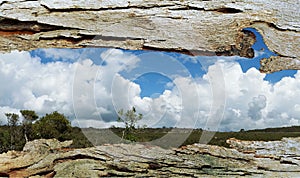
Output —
<point x="48" y="158"/>
<point x="202" y="27"/>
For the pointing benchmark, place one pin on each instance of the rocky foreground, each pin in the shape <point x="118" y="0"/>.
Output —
<point x="51" y="158"/>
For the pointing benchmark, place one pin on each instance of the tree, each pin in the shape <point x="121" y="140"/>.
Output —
<point x="130" y="119"/>
<point x="4" y="139"/>
<point x="52" y="125"/>
<point x="29" y="117"/>
<point x="12" y="122"/>
<point x="12" y="119"/>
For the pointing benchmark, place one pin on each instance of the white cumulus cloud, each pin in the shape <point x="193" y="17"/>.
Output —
<point x="225" y="98"/>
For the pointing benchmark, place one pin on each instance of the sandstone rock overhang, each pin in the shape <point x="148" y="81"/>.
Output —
<point x="192" y="27"/>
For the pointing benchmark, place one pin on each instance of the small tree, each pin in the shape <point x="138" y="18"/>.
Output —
<point x="12" y="122"/>
<point x="29" y="117"/>
<point x="53" y="125"/>
<point x="130" y="119"/>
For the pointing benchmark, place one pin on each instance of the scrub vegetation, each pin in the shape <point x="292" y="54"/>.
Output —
<point x="15" y="133"/>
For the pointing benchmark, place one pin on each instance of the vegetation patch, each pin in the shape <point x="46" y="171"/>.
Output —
<point x="15" y="134"/>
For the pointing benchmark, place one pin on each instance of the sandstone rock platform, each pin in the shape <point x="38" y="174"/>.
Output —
<point x="51" y="158"/>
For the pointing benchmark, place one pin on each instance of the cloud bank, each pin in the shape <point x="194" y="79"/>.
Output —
<point x="90" y="92"/>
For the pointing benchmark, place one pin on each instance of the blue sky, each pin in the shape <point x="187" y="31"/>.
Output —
<point x="259" y="45"/>
<point x="153" y="84"/>
<point x="170" y="89"/>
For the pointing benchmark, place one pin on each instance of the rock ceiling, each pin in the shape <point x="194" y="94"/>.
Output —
<point x="192" y="27"/>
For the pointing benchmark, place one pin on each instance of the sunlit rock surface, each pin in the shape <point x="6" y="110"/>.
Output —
<point x="192" y="27"/>
<point x="48" y="158"/>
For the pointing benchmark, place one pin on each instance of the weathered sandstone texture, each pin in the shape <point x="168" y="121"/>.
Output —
<point x="48" y="158"/>
<point x="198" y="27"/>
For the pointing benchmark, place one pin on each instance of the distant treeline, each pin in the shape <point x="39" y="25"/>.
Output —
<point x="280" y="129"/>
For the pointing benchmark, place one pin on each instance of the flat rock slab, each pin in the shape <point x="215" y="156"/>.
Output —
<point x="192" y="27"/>
<point x="51" y="158"/>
